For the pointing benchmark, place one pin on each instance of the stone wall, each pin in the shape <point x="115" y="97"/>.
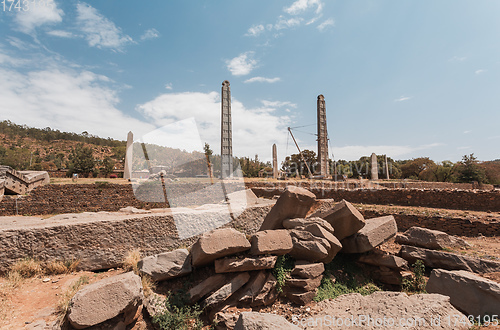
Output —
<point x="101" y="240"/>
<point x="447" y="199"/>
<point x="74" y="198"/>
<point x="450" y="225"/>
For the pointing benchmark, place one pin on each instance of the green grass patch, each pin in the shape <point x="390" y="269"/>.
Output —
<point x="178" y="314"/>
<point x="284" y="265"/>
<point x="417" y="282"/>
<point x="343" y="276"/>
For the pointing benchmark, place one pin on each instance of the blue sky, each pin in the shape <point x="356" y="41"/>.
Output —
<point x="404" y="78"/>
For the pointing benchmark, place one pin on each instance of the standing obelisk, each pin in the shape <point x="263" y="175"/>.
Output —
<point x="322" y="137"/>
<point x="374" y="167"/>
<point x="275" y="162"/>
<point x="127" y="171"/>
<point x="226" y="132"/>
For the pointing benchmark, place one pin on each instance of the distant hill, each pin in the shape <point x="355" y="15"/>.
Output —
<point x="28" y="148"/>
<point x="23" y="147"/>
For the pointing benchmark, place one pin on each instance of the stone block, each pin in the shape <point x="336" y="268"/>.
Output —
<point x="375" y="232"/>
<point x="307" y="269"/>
<point x="430" y="239"/>
<point x="344" y="218"/>
<point x="218" y="244"/>
<point x="222" y="294"/>
<point x="294" y="202"/>
<point x="166" y="265"/>
<point x="448" y="261"/>
<point x="235" y="264"/>
<point x="262" y="321"/>
<point x="277" y="242"/>
<point x="468" y="292"/>
<point x="106" y="299"/>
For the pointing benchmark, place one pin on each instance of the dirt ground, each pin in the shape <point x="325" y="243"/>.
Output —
<point x="36" y="299"/>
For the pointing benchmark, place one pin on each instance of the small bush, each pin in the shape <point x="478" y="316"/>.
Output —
<point x="342" y="276"/>
<point x="113" y="176"/>
<point x="27" y="267"/>
<point x="284" y="265"/>
<point x="178" y="315"/>
<point x="417" y="283"/>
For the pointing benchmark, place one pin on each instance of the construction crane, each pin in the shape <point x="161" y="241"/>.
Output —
<point x="300" y="152"/>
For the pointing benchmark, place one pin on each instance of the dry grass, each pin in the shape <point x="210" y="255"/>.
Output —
<point x="55" y="267"/>
<point x="13" y="281"/>
<point x="148" y="285"/>
<point x="27" y="267"/>
<point x="131" y="260"/>
<point x="65" y="302"/>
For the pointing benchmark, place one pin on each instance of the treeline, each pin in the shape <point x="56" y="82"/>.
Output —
<point x="467" y="170"/>
<point x="48" y="134"/>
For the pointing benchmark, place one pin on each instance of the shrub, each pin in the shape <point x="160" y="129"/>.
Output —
<point x="178" y="315"/>
<point x="284" y="265"/>
<point x="343" y="276"/>
<point x="113" y="176"/>
<point x="417" y="283"/>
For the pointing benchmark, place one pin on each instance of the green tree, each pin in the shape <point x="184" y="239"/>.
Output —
<point x="81" y="160"/>
<point x="469" y="170"/>
<point x="107" y="166"/>
<point x="414" y="168"/>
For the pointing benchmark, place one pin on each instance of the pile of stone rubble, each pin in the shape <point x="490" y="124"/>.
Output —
<point x="242" y="265"/>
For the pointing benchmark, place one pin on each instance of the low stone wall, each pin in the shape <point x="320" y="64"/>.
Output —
<point x="57" y="199"/>
<point x="102" y="240"/>
<point x="447" y="199"/>
<point x="450" y="225"/>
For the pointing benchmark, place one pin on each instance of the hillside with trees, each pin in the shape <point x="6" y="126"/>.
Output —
<point x="28" y="148"/>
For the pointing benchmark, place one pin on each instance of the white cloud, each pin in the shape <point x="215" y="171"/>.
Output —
<point x="169" y="86"/>
<point x="255" y="30"/>
<point x="457" y="59"/>
<point x="263" y="79"/>
<point x="254" y="130"/>
<point x="467" y="132"/>
<point x="278" y="104"/>
<point x="403" y="98"/>
<point x="479" y="71"/>
<point x="73" y="101"/>
<point x="150" y="34"/>
<point x="45" y="12"/>
<point x="242" y="64"/>
<point x="325" y="24"/>
<point x="61" y="34"/>
<point x="19" y="44"/>
<point x="301" y="6"/>
<point x="99" y="31"/>
<point x="284" y="23"/>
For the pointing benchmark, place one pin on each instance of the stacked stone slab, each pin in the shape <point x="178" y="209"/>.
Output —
<point x="424" y="244"/>
<point x="386" y="268"/>
<point x="304" y="280"/>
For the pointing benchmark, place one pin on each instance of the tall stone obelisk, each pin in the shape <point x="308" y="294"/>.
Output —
<point x="127" y="171"/>
<point x="322" y="137"/>
<point x="275" y="162"/>
<point x="374" y="167"/>
<point x="386" y="168"/>
<point x="226" y="132"/>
